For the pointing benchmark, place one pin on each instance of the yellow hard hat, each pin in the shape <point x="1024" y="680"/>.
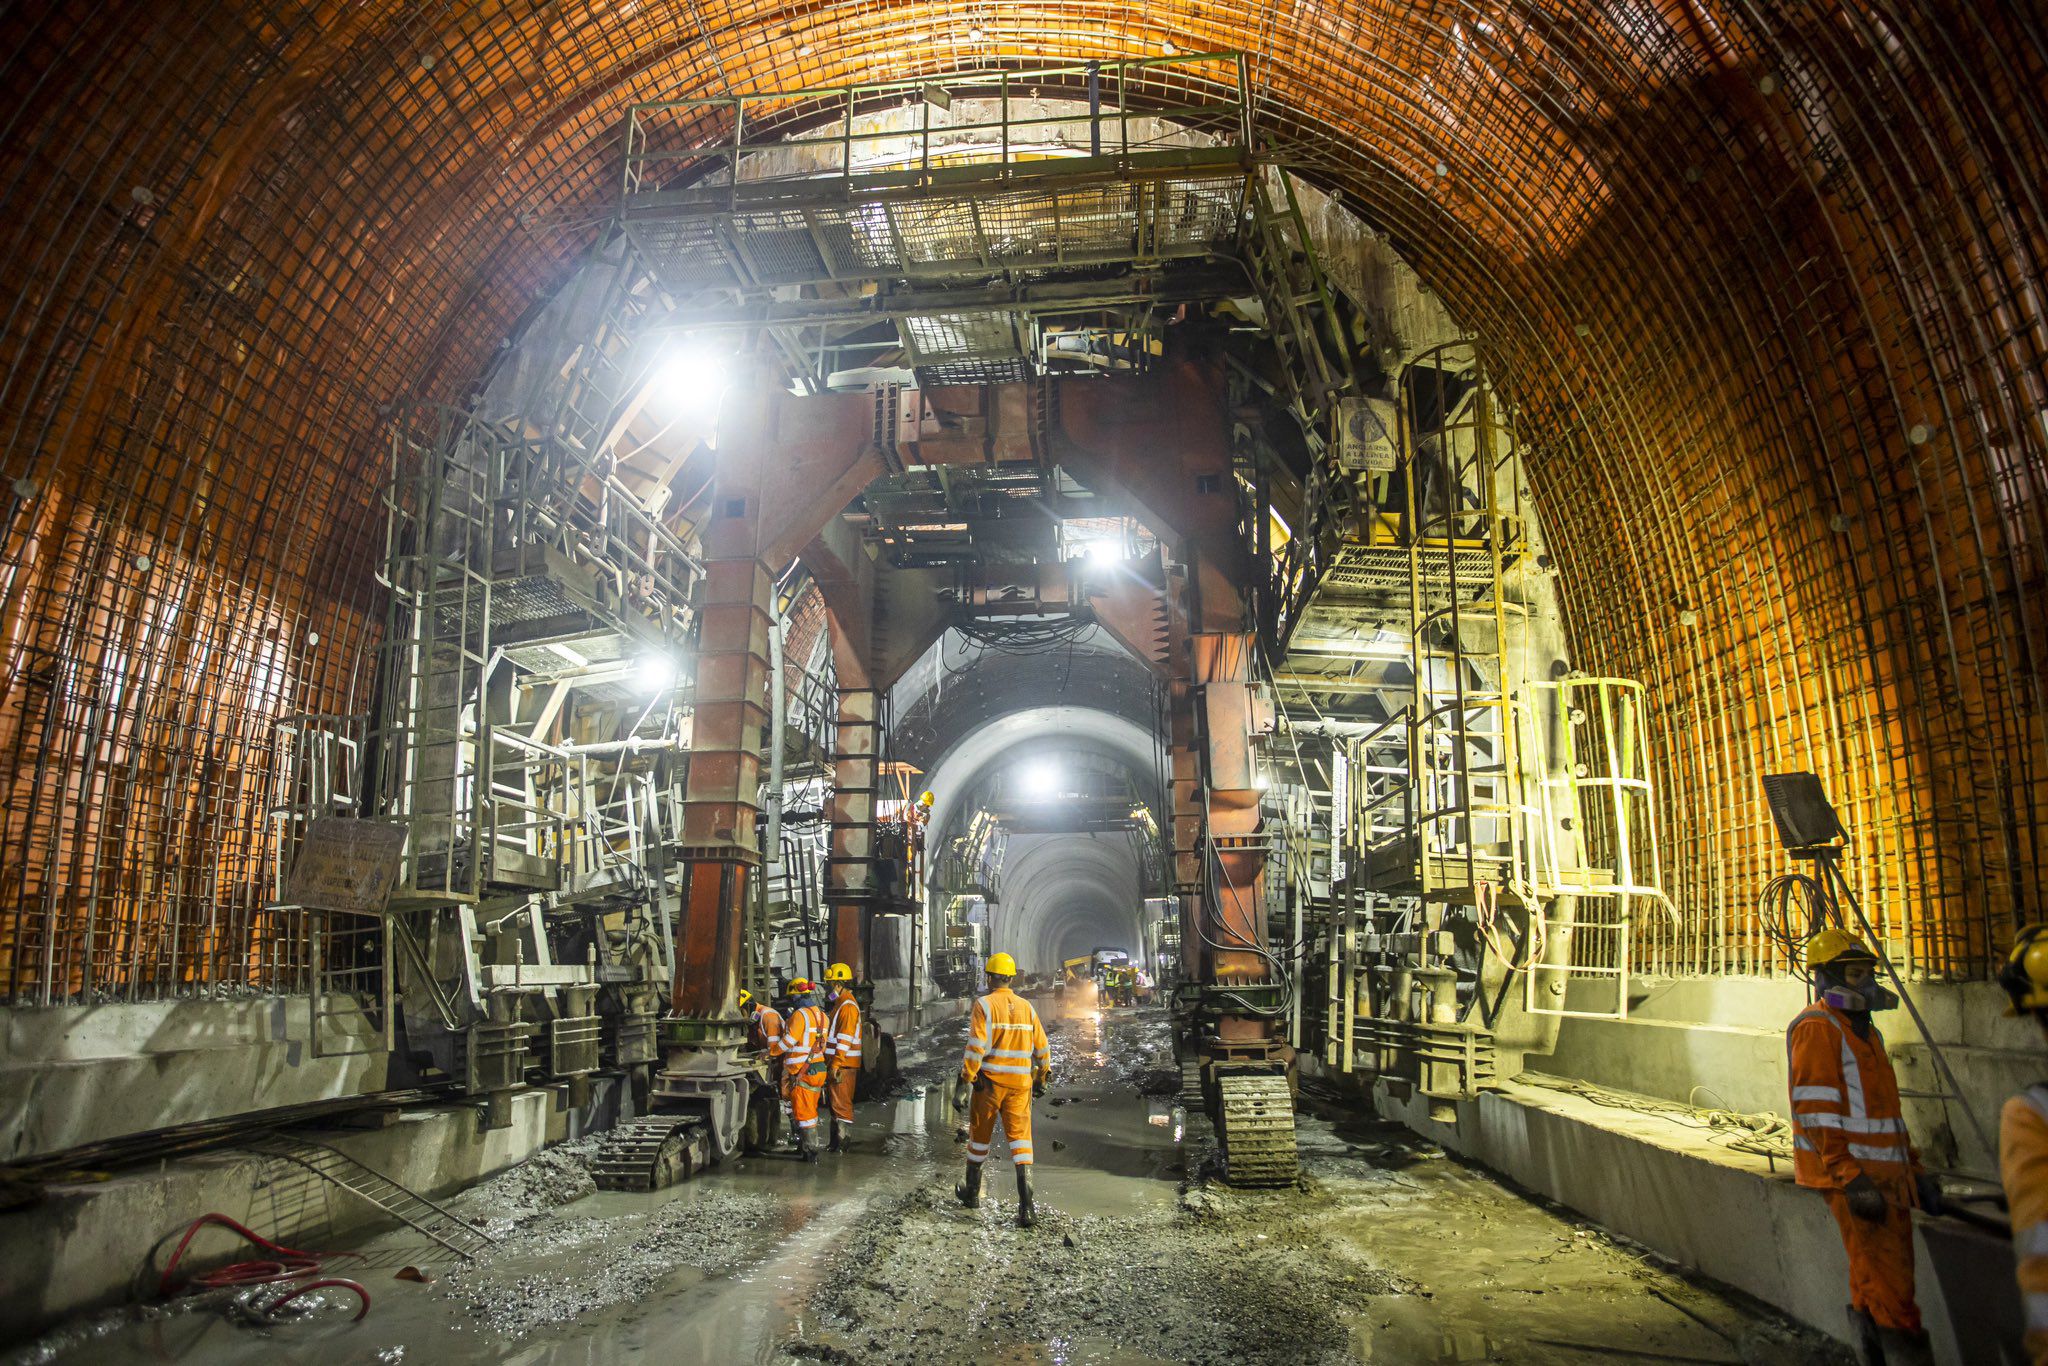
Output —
<point x="2025" y="974"/>
<point x="926" y="800"/>
<point x="1831" y="944"/>
<point x="1001" y="965"/>
<point x="839" y="972"/>
<point x="746" y="998"/>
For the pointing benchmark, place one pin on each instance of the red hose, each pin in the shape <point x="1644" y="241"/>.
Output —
<point x="290" y="1264"/>
<point x="322" y="1284"/>
<point x="241" y="1273"/>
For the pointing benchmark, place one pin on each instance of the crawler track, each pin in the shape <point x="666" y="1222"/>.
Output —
<point x="1257" y="1130"/>
<point x="652" y="1153"/>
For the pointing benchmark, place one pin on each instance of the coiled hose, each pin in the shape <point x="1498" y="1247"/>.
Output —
<point x="302" y="1271"/>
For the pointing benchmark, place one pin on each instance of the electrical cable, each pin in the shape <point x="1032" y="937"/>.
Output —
<point x="1281" y="977"/>
<point x="1782" y="900"/>
<point x="1764" y="1133"/>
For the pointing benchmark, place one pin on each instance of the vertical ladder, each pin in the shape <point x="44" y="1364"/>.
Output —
<point x="1467" y="809"/>
<point x="1301" y="313"/>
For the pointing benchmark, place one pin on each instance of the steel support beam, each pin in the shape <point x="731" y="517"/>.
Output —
<point x="850" y="887"/>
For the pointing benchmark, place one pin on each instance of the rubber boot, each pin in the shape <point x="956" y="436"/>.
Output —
<point x="1863" y="1333"/>
<point x="838" y="1144"/>
<point x="1905" y="1349"/>
<point x="810" y="1144"/>
<point x="968" y="1192"/>
<point x="1027" y="1212"/>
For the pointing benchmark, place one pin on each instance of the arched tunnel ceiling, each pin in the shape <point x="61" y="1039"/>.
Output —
<point x="957" y="687"/>
<point x="1019" y="735"/>
<point x="1056" y="889"/>
<point x="1765" y="279"/>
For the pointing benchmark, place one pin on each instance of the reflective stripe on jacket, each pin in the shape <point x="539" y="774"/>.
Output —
<point x="804" y="1045"/>
<point x="1005" y="1041"/>
<point x="1846" y="1120"/>
<point x="2023" y="1164"/>
<point x="768" y="1030"/>
<point x="844" y="1044"/>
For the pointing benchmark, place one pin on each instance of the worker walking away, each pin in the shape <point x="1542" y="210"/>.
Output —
<point x="2023" y="1144"/>
<point x="1849" y="1142"/>
<point x="1007" y="1062"/>
<point x="804" y="1064"/>
<point x="842" y="1071"/>
<point x="764" y="1026"/>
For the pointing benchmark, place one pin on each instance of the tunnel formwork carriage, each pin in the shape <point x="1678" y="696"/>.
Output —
<point x="1472" y="640"/>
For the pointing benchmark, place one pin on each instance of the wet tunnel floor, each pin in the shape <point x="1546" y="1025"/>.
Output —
<point x="1387" y="1252"/>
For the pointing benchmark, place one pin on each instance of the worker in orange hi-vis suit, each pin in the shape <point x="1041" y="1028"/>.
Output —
<point x="764" y="1025"/>
<point x="804" y="1062"/>
<point x="842" y="1052"/>
<point x="1007" y="1062"/>
<point x="1849" y="1141"/>
<point x="2023" y="1144"/>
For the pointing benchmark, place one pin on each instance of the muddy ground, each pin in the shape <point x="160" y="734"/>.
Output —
<point x="1386" y="1252"/>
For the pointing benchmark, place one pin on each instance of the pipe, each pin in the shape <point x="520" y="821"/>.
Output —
<point x="778" y="719"/>
<point x="1094" y="109"/>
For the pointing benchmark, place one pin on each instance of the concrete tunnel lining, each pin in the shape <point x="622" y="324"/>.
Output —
<point x="1048" y="880"/>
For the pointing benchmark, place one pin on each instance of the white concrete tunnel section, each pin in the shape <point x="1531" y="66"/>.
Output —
<point x="1063" y="894"/>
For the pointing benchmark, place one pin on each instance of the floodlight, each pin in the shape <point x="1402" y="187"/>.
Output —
<point x="1104" y="550"/>
<point x="1800" y="807"/>
<point x="654" y="674"/>
<point x="690" y="383"/>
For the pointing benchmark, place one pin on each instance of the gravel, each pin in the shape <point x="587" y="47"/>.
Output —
<point x="1222" y="1277"/>
<point x="559" y="1269"/>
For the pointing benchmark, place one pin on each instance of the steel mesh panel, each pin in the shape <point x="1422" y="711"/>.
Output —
<point x="686" y="253"/>
<point x="777" y="246"/>
<point x="1820" y="438"/>
<point x="1382" y="569"/>
<point x="961" y="336"/>
<point x="938" y="236"/>
<point x="1098" y="221"/>
<point x="1022" y="229"/>
<point x="1200" y="213"/>
<point x="861" y="238"/>
<point x="973" y="372"/>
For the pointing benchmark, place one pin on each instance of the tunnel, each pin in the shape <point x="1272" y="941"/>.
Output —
<point x="1429" y="577"/>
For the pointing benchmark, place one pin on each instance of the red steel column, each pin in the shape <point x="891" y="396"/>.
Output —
<point x="1184" y="754"/>
<point x="850" y="869"/>
<point x="1234" y="915"/>
<point x="730" y="697"/>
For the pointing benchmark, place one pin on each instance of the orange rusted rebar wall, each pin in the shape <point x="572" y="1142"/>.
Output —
<point x="1764" y="280"/>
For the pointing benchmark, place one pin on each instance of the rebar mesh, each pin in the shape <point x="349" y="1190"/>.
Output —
<point x="1763" y="278"/>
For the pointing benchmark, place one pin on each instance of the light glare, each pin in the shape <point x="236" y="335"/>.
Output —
<point x="690" y="384"/>
<point x="655" y="674"/>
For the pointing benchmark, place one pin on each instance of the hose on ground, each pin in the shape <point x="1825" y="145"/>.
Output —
<point x="286" y="1266"/>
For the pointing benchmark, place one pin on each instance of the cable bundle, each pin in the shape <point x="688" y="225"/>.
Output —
<point x="1778" y="909"/>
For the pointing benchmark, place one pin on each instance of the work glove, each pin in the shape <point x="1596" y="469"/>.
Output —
<point x="1866" y="1201"/>
<point x="1928" y="1187"/>
<point x="1038" y="1085"/>
<point x="959" y="1096"/>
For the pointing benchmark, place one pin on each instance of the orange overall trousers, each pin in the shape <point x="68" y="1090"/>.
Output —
<point x="803" y="1066"/>
<point x="843" y="1049"/>
<point x="1846" y="1123"/>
